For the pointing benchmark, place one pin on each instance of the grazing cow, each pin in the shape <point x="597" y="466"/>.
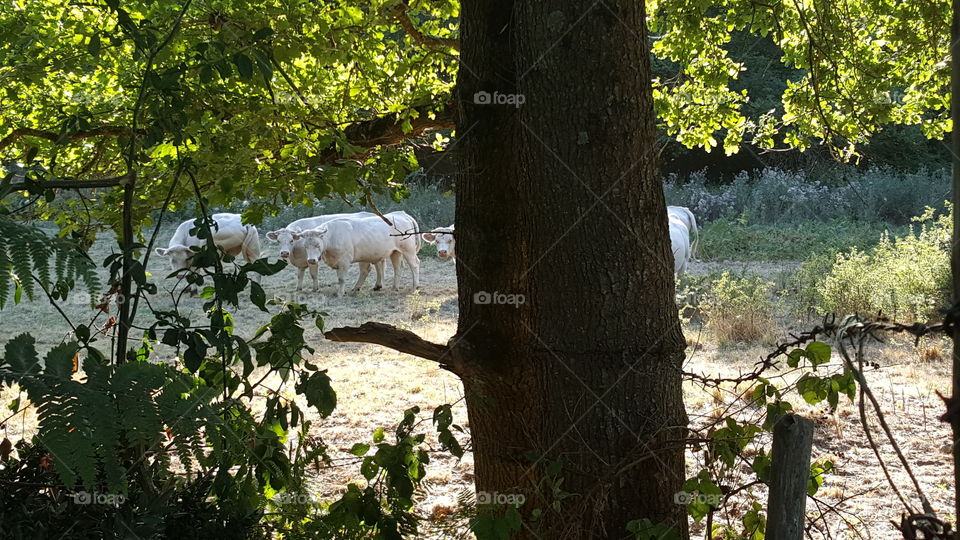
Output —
<point x="229" y="234"/>
<point x="342" y="242"/>
<point x="292" y="250"/>
<point x="443" y="238"/>
<point x="680" y="245"/>
<point x="685" y="216"/>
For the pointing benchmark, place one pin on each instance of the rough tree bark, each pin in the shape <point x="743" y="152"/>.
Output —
<point x="577" y="389"/>
<point x="560" y="201"/>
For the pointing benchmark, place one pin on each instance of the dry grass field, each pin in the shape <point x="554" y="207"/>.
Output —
<point x="375" y="385"/>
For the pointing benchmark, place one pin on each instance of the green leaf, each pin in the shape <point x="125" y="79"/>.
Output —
<point x="82" y="332"/>
<point x="319" y="393"/>
<point x="818" y="353"/>
<point x="93" y="47"/>
<point x="206" y="74"/>
<point x="369" y="468"/>
<point x="21" y="355"/>
<point x="257" y="296"/>
<point x="360" y="449"/>
<point x="59" y="361"/>
<point x="244" y="65"/>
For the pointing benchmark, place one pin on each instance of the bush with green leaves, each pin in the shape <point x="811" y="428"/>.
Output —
<point x="740" y="309"/>
<point x="905" y="277"/>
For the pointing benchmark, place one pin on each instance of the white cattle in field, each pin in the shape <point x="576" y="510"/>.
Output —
<point x="442" y="237"/>
<point x="342" y="242"/>
<point x="229" y="234"/>
<point x="292" y="250"/>
<point x="680" y="245"/>
<point x="685" y="216"/>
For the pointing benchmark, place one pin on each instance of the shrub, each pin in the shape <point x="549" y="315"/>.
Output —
<point x="726" y="239"/>
<point x="906" y="278"/>
<point x="740" y="309"/>
<point x="775" y="196"/>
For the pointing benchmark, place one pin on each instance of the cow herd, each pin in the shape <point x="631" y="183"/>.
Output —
<point x="363" y="238"/>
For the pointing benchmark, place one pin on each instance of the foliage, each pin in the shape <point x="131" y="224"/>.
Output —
<point x="904" y="277"/>
<point x="740" y="309"/>
<point x="834" y="45"/>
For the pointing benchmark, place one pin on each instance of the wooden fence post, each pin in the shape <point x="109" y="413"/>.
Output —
<point x="789" y="474"/>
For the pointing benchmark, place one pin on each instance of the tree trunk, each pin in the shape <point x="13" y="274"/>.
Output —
<point x="574" y="387"/>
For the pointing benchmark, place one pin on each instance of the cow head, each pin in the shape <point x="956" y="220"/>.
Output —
<point x="313" y="243"/>
<point x="179" y="257"/>
<point x="442" y="237"/>
<point x="285" y="237"/>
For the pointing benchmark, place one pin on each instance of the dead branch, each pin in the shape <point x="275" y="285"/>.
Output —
<point x="394" y="338"/>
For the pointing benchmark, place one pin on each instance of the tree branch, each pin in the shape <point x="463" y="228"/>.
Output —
<point x="403" y="17"/>
<point x="388" y="130"/>
<point x="101" y="131"/>
<point x="394" y="338"/>
<point x="77" y="184"/>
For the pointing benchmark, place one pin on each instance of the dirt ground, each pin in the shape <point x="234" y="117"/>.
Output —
<point x="375" y="385"/>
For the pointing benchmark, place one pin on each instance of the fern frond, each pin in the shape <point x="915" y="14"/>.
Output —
<point x="22" y="266"/>
<point x="27" y="252"/>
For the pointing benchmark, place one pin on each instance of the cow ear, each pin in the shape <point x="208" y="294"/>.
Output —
<point x="429" y="237"/>
<point x="272" y="235"/>
<point x="161" y="251"/>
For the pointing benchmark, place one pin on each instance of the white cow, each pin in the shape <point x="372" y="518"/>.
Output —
<point x="229" y="234"/>
<point x="342" y="242"/>
<point x="443" y="238"/>
<point x="685" y="216"/>
<point x="293" y="252"/>
<point x="680" y="245"/>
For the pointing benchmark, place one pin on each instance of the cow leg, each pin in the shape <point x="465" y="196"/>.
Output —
<point x="414" y="263"/>
<point x="395" y="261"/>
<point x="364" y="272"/>
<point x="379" y="266"/>
<point x="314" y="272"/>
<point x="341" y="279"/>
<point x="300" y="278"/>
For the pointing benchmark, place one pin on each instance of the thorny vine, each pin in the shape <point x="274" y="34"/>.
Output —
<point x="851" y="334"/>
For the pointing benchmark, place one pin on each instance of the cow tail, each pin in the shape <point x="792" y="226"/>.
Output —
<point x="696" y="236"/>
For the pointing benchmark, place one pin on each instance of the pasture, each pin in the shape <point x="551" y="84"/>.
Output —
<point x="375" y="385"/>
